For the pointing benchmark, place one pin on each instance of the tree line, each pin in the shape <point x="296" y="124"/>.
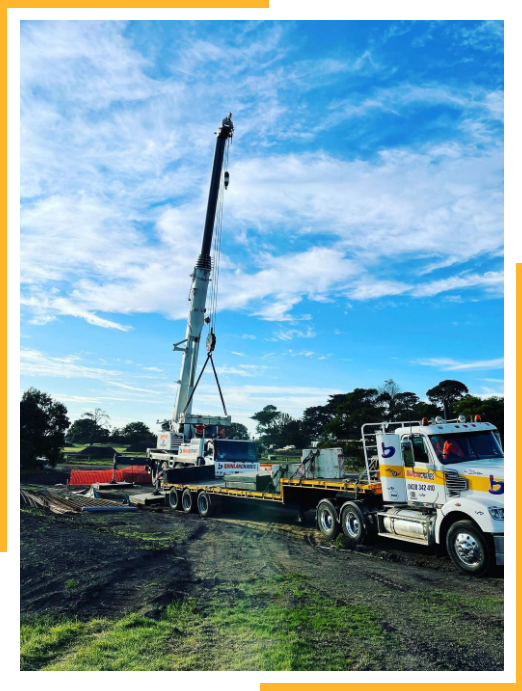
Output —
<point x="45" y="427"/>
<point x="340" y="419"/>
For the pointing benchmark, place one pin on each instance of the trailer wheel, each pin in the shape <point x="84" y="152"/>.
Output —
<point x="175" y="499"/>
<point x="353" y="523"/>
<point x="468" y="548"/>
<point x="187" y="501"/>
<point x="207" y="504"/>
<point x="327" y="519"/>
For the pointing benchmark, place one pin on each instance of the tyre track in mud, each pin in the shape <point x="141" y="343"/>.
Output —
<point x="205" y="559"/>
<point x="402" y="593"/>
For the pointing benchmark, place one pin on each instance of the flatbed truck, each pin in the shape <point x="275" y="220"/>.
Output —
<point x="427" y="482"/>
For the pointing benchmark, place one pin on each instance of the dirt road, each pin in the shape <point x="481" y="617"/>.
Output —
<point x="246" y="577"/>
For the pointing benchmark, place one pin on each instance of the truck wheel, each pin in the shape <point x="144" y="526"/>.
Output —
<point x="200" y="461"/>
<point x="468" y="548"/>
<point x="207" y="504"/>
<point x="354" y="524"/>
<point x="327" y="519"/>
<point x="175" y="499"/>
<point x="187" y="501"/>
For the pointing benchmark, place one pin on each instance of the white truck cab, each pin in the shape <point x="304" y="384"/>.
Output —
<point x="442" y="483"/>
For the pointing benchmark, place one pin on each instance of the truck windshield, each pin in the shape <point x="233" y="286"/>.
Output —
<point x="469" y="446"/>
<point x="226" y="450"/>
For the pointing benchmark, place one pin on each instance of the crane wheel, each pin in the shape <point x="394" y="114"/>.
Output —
<point x="187" y="502"/>
<point x="327" y="519"/>
<point x="175" y="499"/>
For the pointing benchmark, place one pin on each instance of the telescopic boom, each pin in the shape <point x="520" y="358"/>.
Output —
<point x="200" y="282"/>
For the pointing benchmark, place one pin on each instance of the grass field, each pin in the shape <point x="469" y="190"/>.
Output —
<point x="261" y="628"/>
<point x="103" y="461"/>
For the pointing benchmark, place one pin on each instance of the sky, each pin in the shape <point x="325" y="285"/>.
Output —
<point x="362" y="233"/>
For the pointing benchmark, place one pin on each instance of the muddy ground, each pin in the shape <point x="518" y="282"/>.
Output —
<point x="413" y="609"/>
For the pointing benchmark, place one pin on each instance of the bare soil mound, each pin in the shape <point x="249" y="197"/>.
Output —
<point x="98" y="451"/>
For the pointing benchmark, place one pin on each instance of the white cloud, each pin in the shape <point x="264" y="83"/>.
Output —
<point x="34" y="363"/>
<point x="290" y="334"/>
<point x="448" y="364"/>
<point x="492" y="281"/>
<point x="114" y="179"/>
<point x="301" y="353"/>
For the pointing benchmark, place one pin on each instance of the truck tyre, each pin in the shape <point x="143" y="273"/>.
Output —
<point x="355" y="524"/>
<point x="469" y="548"/>
<point x="187" y="501"/>
<point x="207" y="504"/>
<point x="327" y="519"/>
<point x="175" y="499"/>
<point x="200" y="461"/>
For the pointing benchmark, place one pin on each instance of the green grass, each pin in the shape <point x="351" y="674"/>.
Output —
<point x="272" y="624"/>
<point x="282" y="624"/>
<point x="80" y="447"/>
<point x="151" y="540"/>
<point x="72" y="583"/>
<point x="455" y="605"/>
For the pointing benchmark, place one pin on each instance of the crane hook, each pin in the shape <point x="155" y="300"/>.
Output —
<point x="227" y="179"/>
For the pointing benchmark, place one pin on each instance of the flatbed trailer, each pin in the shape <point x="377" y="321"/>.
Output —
<point x="299" y="493"/>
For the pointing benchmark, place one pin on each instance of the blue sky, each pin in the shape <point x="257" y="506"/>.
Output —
<point x="362" y="230"/>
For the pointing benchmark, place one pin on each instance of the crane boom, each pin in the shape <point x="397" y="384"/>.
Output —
<point x="199" y="287"/>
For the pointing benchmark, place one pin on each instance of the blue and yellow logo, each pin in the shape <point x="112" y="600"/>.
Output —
<point x="496" y="486"/>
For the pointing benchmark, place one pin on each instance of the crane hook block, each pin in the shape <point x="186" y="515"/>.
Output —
<point x="211" y="341"/>
<point x="227" y="179"/>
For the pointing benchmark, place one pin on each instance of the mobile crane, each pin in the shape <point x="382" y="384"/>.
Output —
<point x="193" y="439"/>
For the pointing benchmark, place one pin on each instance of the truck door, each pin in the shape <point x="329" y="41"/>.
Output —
<point x="422" y="483"/>
<point x="391" y="468"/>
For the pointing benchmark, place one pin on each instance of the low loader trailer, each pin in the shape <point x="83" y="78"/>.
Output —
<point x="438" y="482"/>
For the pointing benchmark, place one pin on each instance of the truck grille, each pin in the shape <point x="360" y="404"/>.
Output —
<point x="455" y="483"/>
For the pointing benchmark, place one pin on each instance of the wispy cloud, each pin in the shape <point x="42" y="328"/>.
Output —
<point x="290" y="334"/>
<point x="448" y="364"/>
<point x="137" y="175"/>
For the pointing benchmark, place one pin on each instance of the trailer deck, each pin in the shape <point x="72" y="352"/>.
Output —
<point x="351" y="485"/>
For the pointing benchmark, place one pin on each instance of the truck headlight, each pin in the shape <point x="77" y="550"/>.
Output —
<point x="496" y="512"/>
